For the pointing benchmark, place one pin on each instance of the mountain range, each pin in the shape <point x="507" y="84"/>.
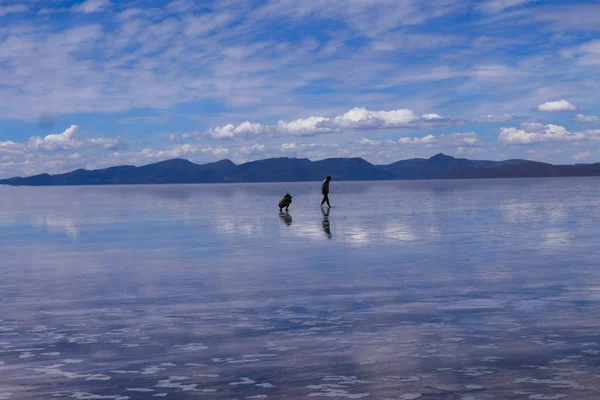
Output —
<point x="178" y="170"/>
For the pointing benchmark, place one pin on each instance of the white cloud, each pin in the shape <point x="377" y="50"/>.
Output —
<point x="11" y="147"/>
<point x="465" y="139"/>
<point x="588" y="54"/>
<point x="559" y="105"/>
<point x="13" y="9"/>
<point x="372" y="142"/>
<point x="582" y="156"/>
<point x="230" y="131"/>
<point x="585" y="119"/>
<point x="544" y="133"/>
<point x="289" y="146"/>
<point x="496" y="6"/>
<point x="91" y="6"/>
<point x="67" y="140"/>
<point x="309" y="126"/>
<point x="355" y="119"/>
<point x="256" y="148"/>
<point x="424" y="140"/>
<point x="494" y="118"/>
<point x="455" y="139"/>
<point x="174" y="152"/>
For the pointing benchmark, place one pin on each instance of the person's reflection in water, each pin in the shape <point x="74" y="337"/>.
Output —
<point x="326" y="225"/>
<point x="285" y="217"/>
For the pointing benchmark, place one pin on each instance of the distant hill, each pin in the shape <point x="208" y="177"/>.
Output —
<point x="440" y="166"/>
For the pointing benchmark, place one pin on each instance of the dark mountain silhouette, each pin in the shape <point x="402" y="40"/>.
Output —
<point x="170" y="171"/>
<point x="439" y="166"/>
<point x="529" y="169"/>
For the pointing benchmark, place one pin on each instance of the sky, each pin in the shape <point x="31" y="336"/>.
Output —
<point x="96" y="83"/>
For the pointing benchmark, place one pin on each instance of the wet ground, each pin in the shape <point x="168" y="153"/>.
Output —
<point x="403" y="290"/>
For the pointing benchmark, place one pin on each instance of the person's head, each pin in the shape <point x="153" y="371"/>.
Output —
<point x="328" y="178"/>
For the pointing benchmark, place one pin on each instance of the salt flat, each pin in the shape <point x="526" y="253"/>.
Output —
<point x="404" y="290"/>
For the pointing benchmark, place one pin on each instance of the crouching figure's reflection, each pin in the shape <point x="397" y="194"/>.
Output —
<point x="285" y="217"/>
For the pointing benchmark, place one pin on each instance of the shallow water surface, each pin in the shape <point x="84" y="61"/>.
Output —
<point x="403" y="290"/>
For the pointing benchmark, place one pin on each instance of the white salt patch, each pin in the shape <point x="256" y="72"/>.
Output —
<point x="474" y="387"/>
<point x="151" y="370"/>
<point x="553" y="383"/>
<point x="160" y="395"/>
<point x="54" y="353"/>
<point x="492" y="359"/>
<point x="167" y="365"/>
<point x="258" y="355"/>
<point x="130" y="345"/>
<point x="98" y="377"/>
<point x="487" y="346"/>
<point x="120" y="371"/>
<point x="325" y="386"/>
<point x="90" y="396"/>
<point x="260" y="396"/>
<point x="208" y="375"/>
<point x="168" y="383"/>
<point x="410" y="396"/>
<point x="191" y="347"/>
<point x="265" y="385"/>
<point x="591" y="352"/>
<point x="27" y="355"/>
<point x="72" y="361"/>
<point x="5" y="395"/>
<point x="139" y="390"/>
<point x="561" y="361"/>
<point x="547" y="397"/>
<point x="340" y="393"/>
<point x="368" y="361"/>
<point x="244" y="381"/>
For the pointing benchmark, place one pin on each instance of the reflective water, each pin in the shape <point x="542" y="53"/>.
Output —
<point x="404" y="290"/>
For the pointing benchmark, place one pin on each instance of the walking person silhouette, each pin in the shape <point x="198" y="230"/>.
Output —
<point x="325" y="191"/>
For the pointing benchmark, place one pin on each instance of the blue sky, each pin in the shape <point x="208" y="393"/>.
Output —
<point x="98" y="83"/>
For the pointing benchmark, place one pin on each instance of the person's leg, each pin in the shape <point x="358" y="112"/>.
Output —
<point x="327" y="200"/>
<point x="323" y="201"/>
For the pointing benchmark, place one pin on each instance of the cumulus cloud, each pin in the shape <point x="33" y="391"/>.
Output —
<point x="68" y="140"/>
<point x="91" y="6"/>
<point x="586" y="119"/>
<point x="230" y="131"/>
<point x="494" y="118"/>
<point x="537" y="133"/>
<point x="256" y="148"/>
<point x="216" y="151"/>
<point x="182" y="151"/>
<point x="454" y="139"/>
<point x="11" y="147"/>
<point x="555" y="106"/>
<point x="355" y="119"/>
<point x="424" y="140"/>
